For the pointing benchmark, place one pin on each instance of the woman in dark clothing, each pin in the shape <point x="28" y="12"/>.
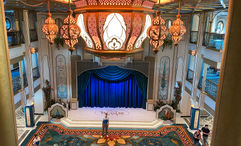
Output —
<point x="196" y="137"/>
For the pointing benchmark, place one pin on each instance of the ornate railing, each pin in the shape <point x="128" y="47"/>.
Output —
<point x="25" y="80"/>
<point x="15" y="38"/>
<point x="211" y="86"/>
<point x="200" y="83"/>
<point x="213" y="40"/>
<point x="36" y="73"/>
<point x="16" y="84"/>
<point x="194" y="37"/>
<point x="190" y="74"/>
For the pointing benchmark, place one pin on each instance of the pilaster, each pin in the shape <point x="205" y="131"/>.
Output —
<point x="7" y="109"/>
<point x="227" y="125"/>
<point x="198" y="58"/>
<point x="28" y="56"/>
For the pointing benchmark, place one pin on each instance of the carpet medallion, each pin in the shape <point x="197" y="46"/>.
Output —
<point x="59" y="135"/>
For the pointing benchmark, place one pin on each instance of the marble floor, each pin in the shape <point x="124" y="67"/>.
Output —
<point x="22" y="131"/>
<point x="98" y="113"/>
<point x="206" y="119"/>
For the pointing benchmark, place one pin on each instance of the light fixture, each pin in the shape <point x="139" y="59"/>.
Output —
<point x="70" y="31"/>
<point x="177" y="30"/>
<point x="113" y="28"/>
<point x="163" y="2"/>
<point x="63" y="1"/>
<point x="157" y="32"/>
<point x="50" y="29"/>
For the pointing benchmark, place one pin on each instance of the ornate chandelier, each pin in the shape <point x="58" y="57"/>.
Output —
<point x="70" y="31"/>
<point x="113" y="28"/>
<point x="177" y="30"/>
<point x="157" y="32"/>
<point x="50" y="29"/>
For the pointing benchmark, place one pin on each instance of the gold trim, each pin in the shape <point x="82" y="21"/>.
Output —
<point x="111" y="54"/>
<point x="113" y="9"/>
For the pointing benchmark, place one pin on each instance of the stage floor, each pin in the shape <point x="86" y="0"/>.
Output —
<point x="114" y="114"/>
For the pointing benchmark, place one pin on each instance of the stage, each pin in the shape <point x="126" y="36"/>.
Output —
<point x="114" y="114"/>
<point x="118" y="117"/>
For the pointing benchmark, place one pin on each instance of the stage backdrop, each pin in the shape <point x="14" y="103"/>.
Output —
<point x="112" y="86"/>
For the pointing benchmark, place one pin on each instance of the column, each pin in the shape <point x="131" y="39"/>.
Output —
<point x="7" y="109"/>
<point x="151" y="80"/>
<point x="198" y="59"/>
<point x="23" y="95"/>
<point x="227" y="125"/>
<point x="174" y="72"/>
<point x="28" y="55"/>
<point x="205" y="68"/>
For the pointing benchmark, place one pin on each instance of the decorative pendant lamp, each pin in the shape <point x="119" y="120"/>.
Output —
<point x="177" y="30"/>
<point x="50" y="28"/>
<point x="157" y="32"/>
<point x="70" y="31"/>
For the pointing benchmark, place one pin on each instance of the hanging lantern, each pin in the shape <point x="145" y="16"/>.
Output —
<point x="50" y="29"/>
<point x="114" y="28"/>
<point x="70" y="31"/>
<point x="157" y="32"/>
<point x="177" y="30"/>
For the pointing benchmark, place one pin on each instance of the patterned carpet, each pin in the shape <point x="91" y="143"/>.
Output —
<point x="58" y="135"/>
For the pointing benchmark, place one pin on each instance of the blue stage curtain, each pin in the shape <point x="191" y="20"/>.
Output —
<point x="83" y="81"/>
<point x="103" y="93"/>
<point x="112" y="73"/>
<point x="102" y="87"/>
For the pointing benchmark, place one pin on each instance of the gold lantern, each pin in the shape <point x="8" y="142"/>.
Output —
<point x="157" y="32"/>
<point x="70" y="31"/>
<point x="177" y="30"/>
<point x="50" y="29"/>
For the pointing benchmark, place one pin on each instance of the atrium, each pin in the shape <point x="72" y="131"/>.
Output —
<point x="120" y="72"/>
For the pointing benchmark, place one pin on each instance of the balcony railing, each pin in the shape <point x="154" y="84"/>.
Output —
<point x="190" y="74"/>
<point x="194" y="36"/>
<point x="200" y="83"/>
<point x="36" y="74"/>
<point x="33" y="35"/>
<point x="213" y="40"/>
<point x="211" y="88"/>
<point x="15" y="38"/>
<point x="16" y="84"/>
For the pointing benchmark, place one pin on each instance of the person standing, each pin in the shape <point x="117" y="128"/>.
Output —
<point x="196" y="137"/>
<point x="105" y="125"/>
<point x="205" y="132"/>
